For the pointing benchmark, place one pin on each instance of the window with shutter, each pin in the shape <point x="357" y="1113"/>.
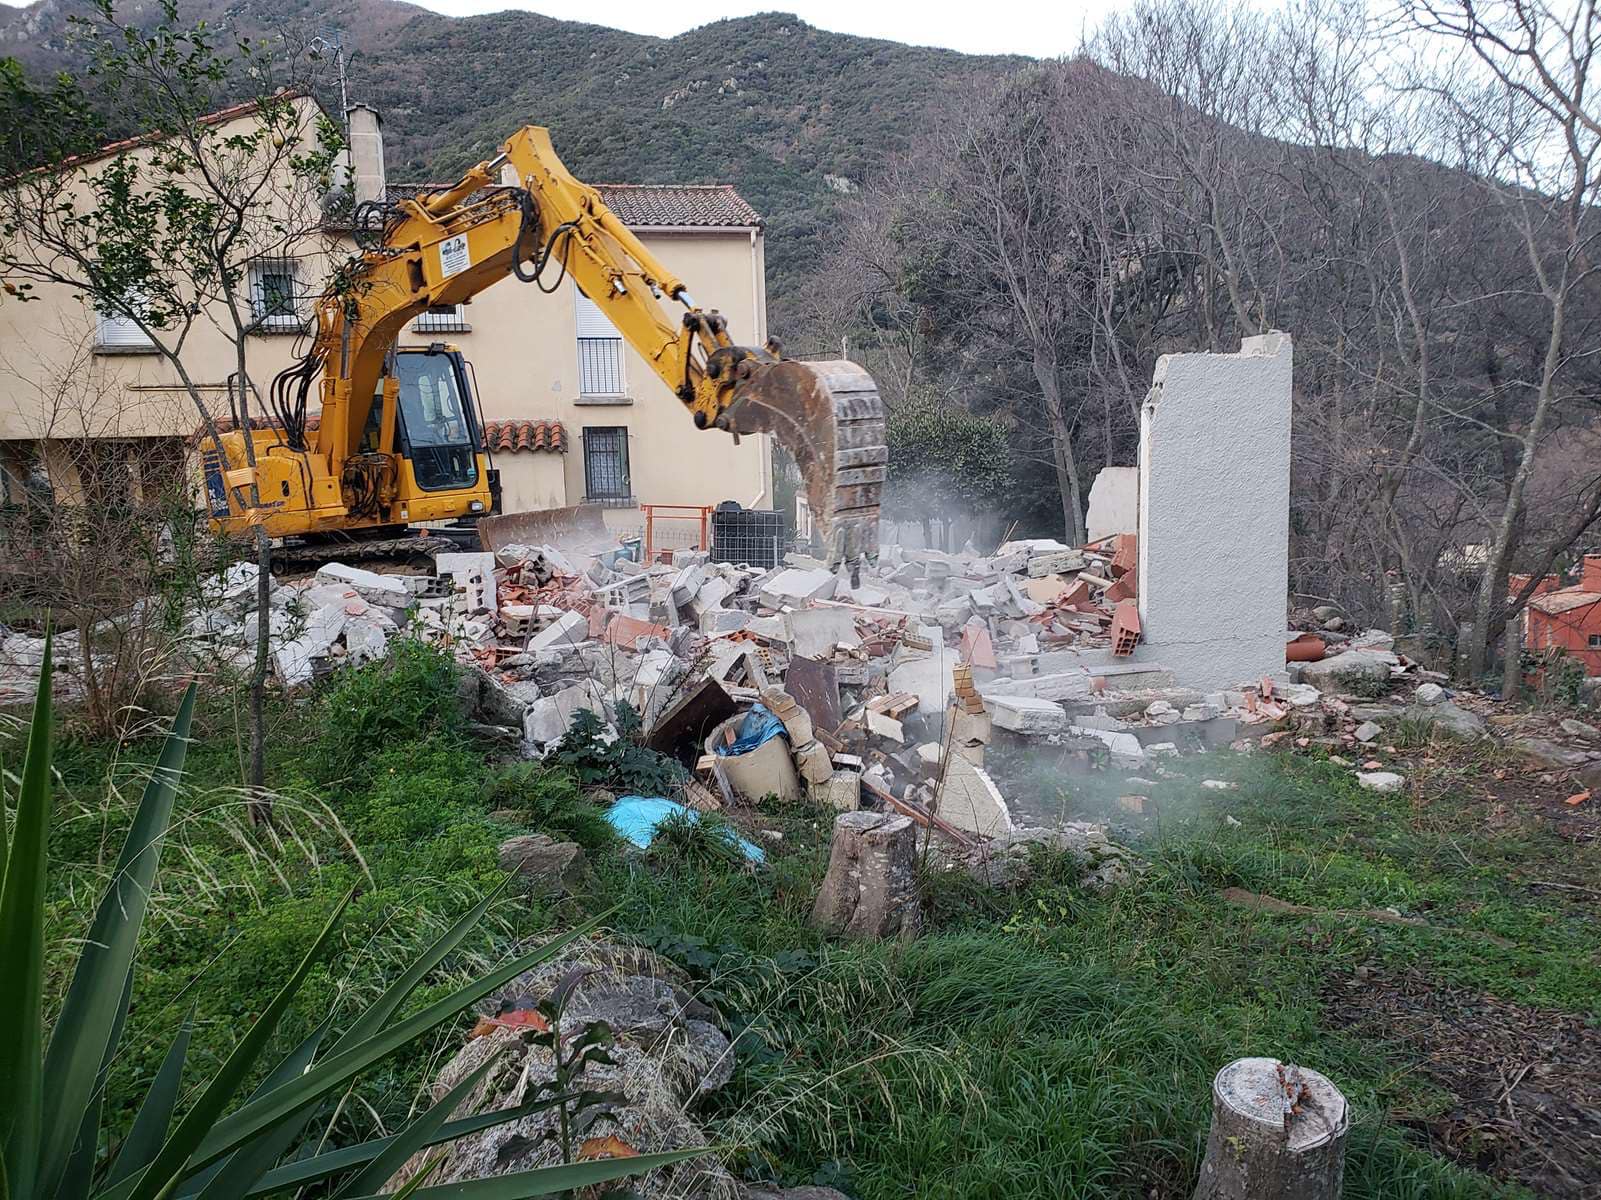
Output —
<point x="118" y="331"/>
<point x="274" y="298"/>
<point x="600" y="352"/>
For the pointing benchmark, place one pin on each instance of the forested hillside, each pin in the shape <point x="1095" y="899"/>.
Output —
<point x="794" y="116"/>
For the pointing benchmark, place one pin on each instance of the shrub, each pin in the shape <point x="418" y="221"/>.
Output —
<point x="622" y="763"/>
<point x="549" y="801"/>
<point x="408" y="696"/>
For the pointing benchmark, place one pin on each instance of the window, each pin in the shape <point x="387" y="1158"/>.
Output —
<point x="116" y="330"/>
<point x="274" y="301"/>
<point x="600" y="353"/>
<point x="1595" y="641"/>
<point x="606" y="465"/>
<point x="435" y="422"/>
<point x="443" y="318"/>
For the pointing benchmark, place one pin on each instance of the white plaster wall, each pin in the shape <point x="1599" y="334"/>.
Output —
<point x="1214" y="519"/>
<point x="1114" y="502"/>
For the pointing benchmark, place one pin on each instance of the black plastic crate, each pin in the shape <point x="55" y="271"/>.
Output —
<point x="747" y="535"/>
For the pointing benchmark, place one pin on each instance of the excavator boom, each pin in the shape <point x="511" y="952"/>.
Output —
<point x="521" y="213"/>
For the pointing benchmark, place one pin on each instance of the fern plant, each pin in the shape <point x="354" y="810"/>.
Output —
<point x="52" y="1099"/>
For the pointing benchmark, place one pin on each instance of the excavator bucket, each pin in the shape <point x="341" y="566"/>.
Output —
<point x="575" y="525"/>
<point x="828" y="415"/>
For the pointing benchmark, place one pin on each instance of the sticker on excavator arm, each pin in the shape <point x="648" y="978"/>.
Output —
<point x="453" y="256"/>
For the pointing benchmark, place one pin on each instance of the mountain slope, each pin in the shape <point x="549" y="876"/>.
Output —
<point x="790" y="114"/>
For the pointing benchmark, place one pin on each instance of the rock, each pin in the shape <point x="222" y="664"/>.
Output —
<point x="1550" y="754"/>
<point x="1580" y="730"/>
<point x="1354" y="670"/>
<point x="1380" y="781"/>
<point x="1008" y="861"/>
<point x="1368" y="730"/>
<point x="1451" y="717"/>
<point x="1334" y="624"/>
<point x="1589" y="777"/>
<point x="543" y="865"/>
<point x="1027" y="715"/>
<point x="548" y="718"/>
<point x="1302" y="695"/>
<point x="486" y="700"/>
<point x="667" y="1053"/>
<point x="871" y="886"/>
<point x="1429" y="693"/>
<point x="1325" y="612"/>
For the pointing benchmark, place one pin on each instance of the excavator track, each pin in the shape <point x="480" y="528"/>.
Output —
<point x="408" y="551"/>
<point x="829" y="416"/>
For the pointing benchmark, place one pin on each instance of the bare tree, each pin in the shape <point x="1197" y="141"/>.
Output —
<point x="166" y="231"/>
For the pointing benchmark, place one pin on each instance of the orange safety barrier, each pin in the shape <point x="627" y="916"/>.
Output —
<point x="676" y="512"/>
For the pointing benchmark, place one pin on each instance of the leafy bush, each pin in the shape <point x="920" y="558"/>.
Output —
<point x="622" y="763"/>
<point x="406" y="697"/>
<point x="549" y="801"/>
<point x="697" y="841"/>
<point x="50" y="1135"/>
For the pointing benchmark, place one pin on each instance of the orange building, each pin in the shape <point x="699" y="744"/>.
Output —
<point x="1566" y="618"/>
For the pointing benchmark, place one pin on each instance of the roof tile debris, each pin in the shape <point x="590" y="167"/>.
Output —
<point x="510" y="437"/>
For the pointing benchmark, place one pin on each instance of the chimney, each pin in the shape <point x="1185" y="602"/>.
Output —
<point x="366" y="153"/>
<point x="1590" y="580"/>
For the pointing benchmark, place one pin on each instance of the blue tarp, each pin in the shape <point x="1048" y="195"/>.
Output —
<point x="636" y="817"/>
<point x="757" y="729"/>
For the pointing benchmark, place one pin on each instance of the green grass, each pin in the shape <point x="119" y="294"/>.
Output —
<point x="1047" y="1043"/>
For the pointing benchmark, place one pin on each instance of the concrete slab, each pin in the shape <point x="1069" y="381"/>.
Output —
<point x="969" y="799"/>
<point x="1114" y="502"/>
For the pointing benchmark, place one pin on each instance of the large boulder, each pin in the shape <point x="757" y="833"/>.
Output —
<point x="1449" y="716"/>
<point x="1362" y="671"/>
<point x="544" y="866"/>
<point x="667" y="1051"/>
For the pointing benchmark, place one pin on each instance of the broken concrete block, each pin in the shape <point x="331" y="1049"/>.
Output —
<point x="931" y="678"/>
<point x="969" y="799"/>
<point x="567" y="630"/>
<point x="884" y="726"/>
<point x="549" y="717"/>
<point x="842" y="791"/>
<point x="814" y="632"/>
<point x="972" y="728"/>
<point x="796" y="585"/>
<point x="816" y="767"/>
<point x="1380" y="781"/>
<point x="709" y="598"/>
<point x="366" y="639"/>
<point x="1114" y="502"/>
<point x="724" y="620"/>
<point x="369" y="585"/>
<point x="1059" y="562"/>
<point x="1027" y="715"/>
<point x="473" y="571"/>
<point x="1125" y="747"/>
<point x="687" y="584"/>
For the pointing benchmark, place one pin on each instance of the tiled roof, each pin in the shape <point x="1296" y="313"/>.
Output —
<point x="1566" y="600"/>
<point x="508" y="437"/>
<point x="683" y="205"/>
<point x="222" y="115"/>
<point x="680" y="206"/>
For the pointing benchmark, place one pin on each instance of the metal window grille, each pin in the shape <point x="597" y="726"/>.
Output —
<point x="1595" y="641"/>
<point x="600" y="367"/>
<point x="442" y="318"/>
<point x="273" y="296"/>
<point x="606" y="464"/>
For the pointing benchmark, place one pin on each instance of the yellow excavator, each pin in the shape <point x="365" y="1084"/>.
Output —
<point x="398" y="439"/>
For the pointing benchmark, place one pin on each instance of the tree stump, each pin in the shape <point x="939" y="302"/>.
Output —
<point x="1278" y="1131"/>
<point x="870" y="890"/>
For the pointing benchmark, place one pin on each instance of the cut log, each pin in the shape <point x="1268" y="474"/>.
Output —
<point x="1278" y="1133"/>
<point x="871" y="886"/>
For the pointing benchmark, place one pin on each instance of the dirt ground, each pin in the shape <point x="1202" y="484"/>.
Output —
<point x="1525" y="1084"/>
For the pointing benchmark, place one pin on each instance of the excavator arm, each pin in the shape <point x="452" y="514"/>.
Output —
<point x="521" y="213"/>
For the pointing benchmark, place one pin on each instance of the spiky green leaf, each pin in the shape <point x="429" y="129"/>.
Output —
<point x="82" y="1038"/>
<point x="548" y="1181"/>
<point x="150" y="1127"/>
<point x="22" y="952"/>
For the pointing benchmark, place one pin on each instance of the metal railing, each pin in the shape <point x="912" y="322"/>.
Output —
<point x="600" y="367"/>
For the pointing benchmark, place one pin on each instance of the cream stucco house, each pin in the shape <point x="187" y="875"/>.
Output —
<point x="571" y="412"/>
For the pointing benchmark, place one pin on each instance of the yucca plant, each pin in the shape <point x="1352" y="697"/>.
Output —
<point x="51" y="1098"/>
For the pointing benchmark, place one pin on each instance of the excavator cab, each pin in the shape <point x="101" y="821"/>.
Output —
<point x="437" y="430"/>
